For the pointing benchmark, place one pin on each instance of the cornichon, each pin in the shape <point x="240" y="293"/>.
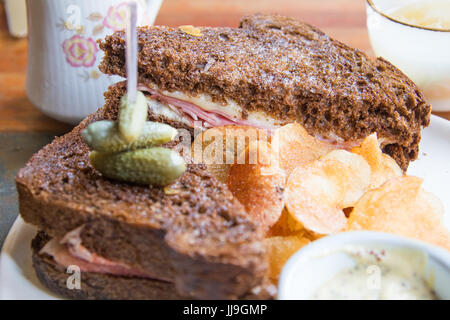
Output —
<point x="132" y="117"/>
<point x="104" y="136"/>
<point x="155" y="166"/>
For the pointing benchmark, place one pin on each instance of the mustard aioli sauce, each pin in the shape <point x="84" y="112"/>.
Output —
<point x="380" y="275"/>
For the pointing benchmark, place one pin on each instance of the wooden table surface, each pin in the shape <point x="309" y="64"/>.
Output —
<point x="342" y="19"/>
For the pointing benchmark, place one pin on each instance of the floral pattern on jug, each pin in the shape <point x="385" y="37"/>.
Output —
<point x="116" y="17"/>
<point x="80" y="52"/>
<point x="81" y="49"/>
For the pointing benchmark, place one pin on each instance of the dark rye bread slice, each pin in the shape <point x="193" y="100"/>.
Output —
<point x="94" y="285"/>
<point x="291" y="70"/>
<point x="199" y="237"/>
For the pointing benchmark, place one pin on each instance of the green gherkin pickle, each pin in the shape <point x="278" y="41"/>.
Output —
<point x="104" y="136"/>
<point x="121" y="150"/>
<point x="154" y="166"/>
<point x="132" y="117"/>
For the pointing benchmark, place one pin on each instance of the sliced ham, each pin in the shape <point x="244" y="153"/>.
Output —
<point x="217" y="118"/>
<point x="69" y="251"/>
<point x="192" y="112"/>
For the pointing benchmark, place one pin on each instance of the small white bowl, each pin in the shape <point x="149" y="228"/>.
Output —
<point x="420" y="52"/>
<point x="309" y="268"/>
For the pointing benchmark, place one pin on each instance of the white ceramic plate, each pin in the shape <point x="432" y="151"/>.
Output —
<point x="17" y="278"/>
<point x="18" y="281"/>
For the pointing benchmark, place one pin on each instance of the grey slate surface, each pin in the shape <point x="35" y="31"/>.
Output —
<point x="15" y="150"/>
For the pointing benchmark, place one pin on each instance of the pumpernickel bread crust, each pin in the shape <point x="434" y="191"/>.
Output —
<point x="289" y="69"/>
<point x="198" y="235"/>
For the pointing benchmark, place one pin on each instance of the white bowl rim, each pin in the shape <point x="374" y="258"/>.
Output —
<point x="358" y="238"/>
<point x="372" y="5"/>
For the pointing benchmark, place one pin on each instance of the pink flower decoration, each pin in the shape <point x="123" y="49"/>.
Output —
<point x="116" y="18"/>
<point x="80" y="52"/>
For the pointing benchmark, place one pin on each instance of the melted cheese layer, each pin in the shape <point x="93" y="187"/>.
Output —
<point x="204" y="101"/>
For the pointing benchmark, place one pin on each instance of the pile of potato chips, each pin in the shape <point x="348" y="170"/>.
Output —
<point x="299" y="188"/>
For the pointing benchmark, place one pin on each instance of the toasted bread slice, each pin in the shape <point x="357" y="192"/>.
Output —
<point x="197" y="236"/>
<point x="287" y="70"/>
<point x="96" y="285"/>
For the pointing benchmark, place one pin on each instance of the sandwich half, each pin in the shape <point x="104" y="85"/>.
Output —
<point x="193" y="240"/>
<point x="270" y="71"/>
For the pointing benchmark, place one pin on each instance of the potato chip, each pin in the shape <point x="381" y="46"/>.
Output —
<point x="293" y="224"/>
<point x="296" y="147"/>
<point x="259" y="152"/>
<point x="283" y="227"/>
<point x="280" y="249"/>
<point x="288" y="226"/>
<point x="352" y="174"/>
<point x="219" y="147"/>
<point x="317" y="193"/>
<point x="312" y="197"/>
<point x="259" y="187"/>
<point x="383" y="166"/>
<point x="401" y="206"/>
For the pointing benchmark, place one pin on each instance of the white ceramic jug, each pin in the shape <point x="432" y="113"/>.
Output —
<point x="63" y="79"/>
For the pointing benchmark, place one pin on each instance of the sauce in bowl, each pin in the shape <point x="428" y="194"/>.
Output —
<point x="380" y="274"/>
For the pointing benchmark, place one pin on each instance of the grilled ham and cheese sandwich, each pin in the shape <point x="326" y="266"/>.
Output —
<point x="197" y="241"/>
